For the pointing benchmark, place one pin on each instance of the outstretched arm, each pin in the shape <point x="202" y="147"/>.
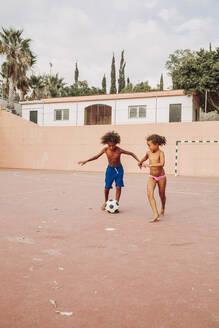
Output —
<point x="93" y="158"/>
<point x="143" y="160"/>
<point x="129" y="153"/>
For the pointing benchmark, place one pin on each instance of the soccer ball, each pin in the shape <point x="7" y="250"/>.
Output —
<point x="112" y="206"/>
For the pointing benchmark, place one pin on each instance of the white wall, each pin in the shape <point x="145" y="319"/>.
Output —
<point x="122" y="113"/>
<point x="163" y="108"/>
<point x="50" y="118"/>
<point x="157" y="110"/>
<point x="30" y="107"/>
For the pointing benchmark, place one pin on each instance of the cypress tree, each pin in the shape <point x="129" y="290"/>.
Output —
<point x="113" y="76"/>
<point x="128" y="80"/>
<point x="161" y="82"/>
<point x="104" y="84"/>
<point x="121" y="80"/>
<point x="76" y="73"/>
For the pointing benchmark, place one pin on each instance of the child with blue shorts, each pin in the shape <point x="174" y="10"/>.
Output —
<point x="114" y="171"/>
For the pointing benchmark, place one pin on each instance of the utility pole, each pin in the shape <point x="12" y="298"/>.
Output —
<point x="206" y="97"/>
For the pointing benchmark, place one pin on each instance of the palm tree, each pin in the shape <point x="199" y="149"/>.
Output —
<point x="19" y="58"/>
<point x="37" y="86"/>
<point x="54" y="85"/>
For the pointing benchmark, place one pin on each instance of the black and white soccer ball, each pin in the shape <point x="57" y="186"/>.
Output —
<point x="112" y="206"/>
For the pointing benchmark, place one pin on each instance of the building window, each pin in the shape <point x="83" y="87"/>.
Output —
<point x="137" y="111"/>
<point x="61" y="114"/>
<point x="33" y="116"/>
<point x="133" y="112"/>
<point x="142" y="111"/>
<point x="65" y="114"/>
<point x="175" y="112"/>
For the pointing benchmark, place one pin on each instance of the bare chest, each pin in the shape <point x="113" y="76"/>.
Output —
<point x="154" y="157"/>
<point x="113" y="155"/>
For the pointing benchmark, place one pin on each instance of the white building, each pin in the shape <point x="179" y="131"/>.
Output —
<point x="129" y="108"/>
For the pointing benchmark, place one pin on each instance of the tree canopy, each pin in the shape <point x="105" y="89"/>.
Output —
<point x="196" y="71"/>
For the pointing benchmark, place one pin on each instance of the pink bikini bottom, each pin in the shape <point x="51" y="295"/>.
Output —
<point x="157" y="178"/>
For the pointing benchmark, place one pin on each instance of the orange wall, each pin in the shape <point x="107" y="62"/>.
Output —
<point x="26" y="145"/>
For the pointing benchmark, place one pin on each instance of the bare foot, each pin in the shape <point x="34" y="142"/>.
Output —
<point x="162" y="212"/>
<point x="103" y="206"/>
<point x="155" y="219"/>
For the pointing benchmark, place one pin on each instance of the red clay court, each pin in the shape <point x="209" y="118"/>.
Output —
<point x="104" y="270"/>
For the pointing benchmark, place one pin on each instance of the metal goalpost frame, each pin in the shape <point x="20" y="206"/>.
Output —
<point x="188" y="141"/>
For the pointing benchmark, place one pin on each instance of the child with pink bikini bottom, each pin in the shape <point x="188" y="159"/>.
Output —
<point x="157" y="178"/>
<point x="157" y="174"/>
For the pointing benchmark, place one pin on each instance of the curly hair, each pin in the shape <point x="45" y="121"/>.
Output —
<point x="111" y="136"/>
<point x="157" y="140"/>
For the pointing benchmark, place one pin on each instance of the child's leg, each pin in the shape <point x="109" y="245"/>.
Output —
<point x="109" y="177"/>
<point x="119" y="181"/>
<point x="162" y="188"/>
<point x="150" y="191"/>
<point x="118" y="193"/>
<point x="106" y="194"/>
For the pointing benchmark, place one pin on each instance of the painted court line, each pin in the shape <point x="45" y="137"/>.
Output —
<point x="184" y="193"/>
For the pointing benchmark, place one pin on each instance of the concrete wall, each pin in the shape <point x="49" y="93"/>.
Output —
<point x="211" y="116"/>
<point x="17" y="106"/>
<point x="157" y="110"/>
<point x="26" y="145"/>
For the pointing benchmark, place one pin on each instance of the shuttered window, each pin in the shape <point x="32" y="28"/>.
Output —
<point x="137" y="111"/>
<point x="65" y="114"/>
<point x="175" y="112"/>
<point x="133" y="112"/>
<point x="142" y="111"/>
<point x="61" y="114"/>
<point x="97" y="114"/>
<point x="33" y="116"/>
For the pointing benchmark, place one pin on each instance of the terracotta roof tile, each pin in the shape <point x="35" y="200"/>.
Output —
<point x="150" y="94"/>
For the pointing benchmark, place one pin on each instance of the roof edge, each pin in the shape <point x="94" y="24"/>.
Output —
<point x="119" y="96"/>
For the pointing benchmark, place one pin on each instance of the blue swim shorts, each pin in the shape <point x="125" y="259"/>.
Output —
<point x="114" y="173"/>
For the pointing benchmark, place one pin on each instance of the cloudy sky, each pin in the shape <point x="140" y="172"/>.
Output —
<point x="89" y="31"/>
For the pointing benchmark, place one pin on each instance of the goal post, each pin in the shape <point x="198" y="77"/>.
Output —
<point x="188" y="141"/>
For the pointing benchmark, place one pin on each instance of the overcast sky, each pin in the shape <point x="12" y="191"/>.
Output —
<point x="89" y="31"/>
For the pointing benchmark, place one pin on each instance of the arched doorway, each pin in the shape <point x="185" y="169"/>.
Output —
<point x="97" y="114"/>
